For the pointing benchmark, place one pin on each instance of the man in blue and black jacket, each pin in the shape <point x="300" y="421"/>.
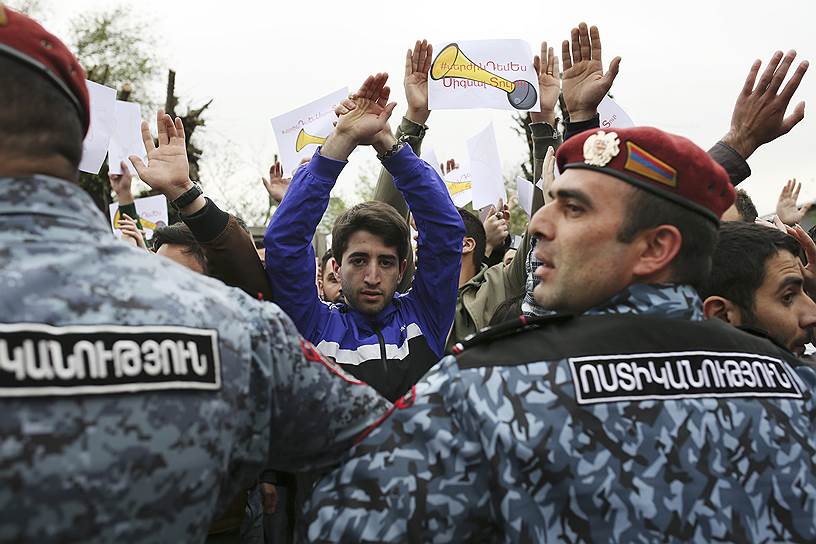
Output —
<point x="384" y="338"/>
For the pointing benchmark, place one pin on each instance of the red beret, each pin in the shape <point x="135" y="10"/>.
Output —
<point x="669" y="166"/>
<point x="25" y="40"/>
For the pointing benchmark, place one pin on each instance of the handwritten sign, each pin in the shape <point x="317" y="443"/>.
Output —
<point x="495" y="74"/>
<point x="300" y="131"/>
<point x="152" y="212"/>
<point x="612" y="116"/>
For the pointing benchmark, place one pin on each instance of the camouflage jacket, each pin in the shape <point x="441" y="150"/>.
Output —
<point x="572" y="449"/>
<point x="137" y="396"/>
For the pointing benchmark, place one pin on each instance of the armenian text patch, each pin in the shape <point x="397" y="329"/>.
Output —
<point x="680" y="375"/>
<point x="43" y="360"/>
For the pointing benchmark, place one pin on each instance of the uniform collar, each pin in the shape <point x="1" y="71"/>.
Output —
<point x="665" y="300"/>
<point x="60" y="199"/>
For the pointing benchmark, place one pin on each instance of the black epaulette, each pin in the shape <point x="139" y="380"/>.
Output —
<point x="508" y="328"/>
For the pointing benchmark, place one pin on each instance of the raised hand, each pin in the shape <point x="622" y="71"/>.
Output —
<point x="786" y="209"/>
<point x="585" y="83"/>
<point x="496" y="226"/>
<point x="276" y="185"/>
<point x="366" y="124"/>
<point x="417" y="64"/>
<point x="549" y="85"/>
<point x="130" y="231"/>
<point x="448" y="166"/>
<point x="120" y="183"/>
<point x="167" y="170"/>
<point x="759" y="114"/>
<point x="548" y="174"/>
<point x="809" y="248"/>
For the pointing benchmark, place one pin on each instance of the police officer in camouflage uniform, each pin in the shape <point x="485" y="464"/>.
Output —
<point x="138" y="397"/>
<point x="622" y="418"/>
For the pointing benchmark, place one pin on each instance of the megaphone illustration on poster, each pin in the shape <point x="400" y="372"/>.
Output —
<point x="304" y="139"/>
<point x="451" y="62"/>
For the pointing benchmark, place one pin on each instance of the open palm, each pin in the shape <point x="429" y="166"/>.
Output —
<point x="371" y="113"/>
<point x="167" y="170"/>
<point x="417" y="64"/>
<point x="585" y="83"/>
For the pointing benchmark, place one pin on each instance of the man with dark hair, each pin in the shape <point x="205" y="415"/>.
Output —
<point x="473" y="246"/>
<point x="138" y="398"/>
<point x="385" y="339"/>
<point x="328" y="282"/>
<point x="177" y="243"/>
<point x="743" y="209"/>
<point x="756" y="282"/>
<point x="626" y="417"/>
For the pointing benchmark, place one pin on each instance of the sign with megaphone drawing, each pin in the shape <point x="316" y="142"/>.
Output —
<point x="300" y="131"/>
<point x="495" y="74"/>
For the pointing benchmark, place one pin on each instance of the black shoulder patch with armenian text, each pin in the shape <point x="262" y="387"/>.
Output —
<point x="43" y="360"/>
<point x="680" y="375"/>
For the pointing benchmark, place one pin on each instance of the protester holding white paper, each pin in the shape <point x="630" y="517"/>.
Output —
<point x="384" y="338"/>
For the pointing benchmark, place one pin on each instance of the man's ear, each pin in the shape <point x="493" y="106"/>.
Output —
<point x="403" y="267"/>
<point x="715" y="307"/>
<point x="468" y="245"/>
<point x="659" y="247"/>
<point x="335" y="266"/>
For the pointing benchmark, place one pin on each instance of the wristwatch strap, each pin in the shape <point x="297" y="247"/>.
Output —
<point x="187" y="198"/>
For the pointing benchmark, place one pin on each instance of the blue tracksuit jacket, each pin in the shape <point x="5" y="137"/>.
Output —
<point x="392" y="350"/>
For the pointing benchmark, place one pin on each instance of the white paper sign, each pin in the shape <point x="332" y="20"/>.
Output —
<point x="525" y="195"/>
<point x="485" y="167"/>
<point x="495" y="74"/>
<point x="460" y="185"/>
<point x="612" y="116"/>
<point x="429" y="156"/>
<point x="152" y="212"/>
<point x="103" y="123"/>
<point x="300" y="131"/>
<point x="127" y="138"/>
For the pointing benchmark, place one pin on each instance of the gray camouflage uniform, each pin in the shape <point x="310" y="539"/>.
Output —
<point x="494" y="452"/>
<point x="156" y="461"/>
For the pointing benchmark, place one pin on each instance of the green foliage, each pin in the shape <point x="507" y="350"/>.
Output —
<point x="116" y="50"/>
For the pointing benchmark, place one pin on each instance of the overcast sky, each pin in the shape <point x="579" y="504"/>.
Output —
<point x="683" y="64"/>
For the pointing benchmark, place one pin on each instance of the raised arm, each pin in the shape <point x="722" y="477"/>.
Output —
<point x="230" y="251"/>
<point x="759" y="114"/>
<point x="439" y="245"/>
<point x="290" y="258"/>
<point x="585" y="83"/>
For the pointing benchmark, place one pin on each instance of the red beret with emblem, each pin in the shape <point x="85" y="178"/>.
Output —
<point x="667" y="165"/>
<point x="24" y="39"/>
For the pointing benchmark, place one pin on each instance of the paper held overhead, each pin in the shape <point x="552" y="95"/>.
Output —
<point x="429" y="156"/>
<point x="495" y="74"/>
<point x="612" y="115"/>
<point x="525" y="195"/>
<point x="485" y="169"/>
<point x="460" y="185"/>
<point x="300" y="131"/>
<point x="152" y="212"/>
<point x="103" y="123"/>
<point x="127" y="138"/>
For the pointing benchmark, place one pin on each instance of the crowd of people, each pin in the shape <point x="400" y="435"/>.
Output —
<point x="635" y="368"/>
